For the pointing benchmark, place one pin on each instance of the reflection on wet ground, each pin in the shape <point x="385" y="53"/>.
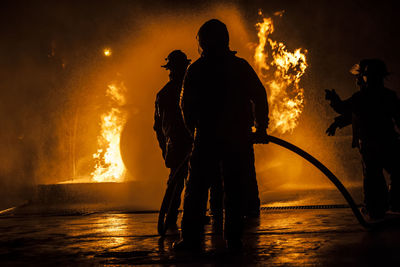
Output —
<point x="92" y="234"/>
<point x="289" y="237"/>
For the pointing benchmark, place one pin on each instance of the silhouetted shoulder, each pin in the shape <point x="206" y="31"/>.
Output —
<point x="357" y="96"/>
<point x="243" y="65"/>
<point x="241" y="61"/>
<point x="195" y="73"/>
<point x="390" y="93"/>
<point x="164" y="90"/>
<point x="391" y="100"/>
<point x="198" y="64"/>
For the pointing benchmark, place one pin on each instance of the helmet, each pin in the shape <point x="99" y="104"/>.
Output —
<point x="213" y="34"/>
<point x="370" y="67"/>
<point x="176" y="59"/>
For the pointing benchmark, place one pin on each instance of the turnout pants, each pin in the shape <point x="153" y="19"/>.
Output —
<point x="233" y="161"/>
<point x="177" y="160"/>
<point x="375" y="159"/>
<point x="180" y="177"/>
<point x="252" y="207"/>
<point x="251" y="194"/>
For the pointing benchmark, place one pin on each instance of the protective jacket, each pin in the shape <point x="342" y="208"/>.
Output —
<point x="223" y="98"/>
<point x="173" y="138"/>
<point x="372" y="113"/>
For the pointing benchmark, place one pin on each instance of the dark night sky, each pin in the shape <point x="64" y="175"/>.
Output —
<point x="337" y="34"/>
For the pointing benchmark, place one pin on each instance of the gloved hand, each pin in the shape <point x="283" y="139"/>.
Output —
<point x="260" y="137"/>
<point x="331" y="95"/>
<point x="332" y="129"/>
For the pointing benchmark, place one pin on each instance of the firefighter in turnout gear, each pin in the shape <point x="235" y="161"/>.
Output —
<point x="174" y="139"/>
<point x="374" y="113"/>
<point x="222" y="100"/>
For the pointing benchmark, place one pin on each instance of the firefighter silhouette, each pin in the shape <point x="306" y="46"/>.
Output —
<point x="373" y="112"/>
<point x="222" y="99"/>
<point x="173" y="138"/>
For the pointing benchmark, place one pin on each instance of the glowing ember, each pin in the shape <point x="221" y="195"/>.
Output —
<point x="280" y="70"/>
<point x="107" y="52"/>
<point x="109" y="166"/>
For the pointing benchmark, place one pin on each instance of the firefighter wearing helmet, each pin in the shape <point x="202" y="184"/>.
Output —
<point x="222" y="99"/>
<point x="173" y="138"/>
<point x="373" y="112"/>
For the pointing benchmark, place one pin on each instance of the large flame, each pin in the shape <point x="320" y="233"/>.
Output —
<point x="280" y="71"/>
<point x="109" y="165"/>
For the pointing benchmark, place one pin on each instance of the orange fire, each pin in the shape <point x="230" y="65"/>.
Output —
<point x="109" y="165"/>
<point x="280" y="71"/>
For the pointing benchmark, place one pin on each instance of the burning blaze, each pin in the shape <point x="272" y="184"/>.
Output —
<point x="109" y="166"/>
<point x="280" y="71"/>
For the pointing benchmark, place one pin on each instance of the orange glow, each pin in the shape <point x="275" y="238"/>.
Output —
<point x="109" y="165"/>
<point x="107" y="52"/>
<point x="280" y="71"/>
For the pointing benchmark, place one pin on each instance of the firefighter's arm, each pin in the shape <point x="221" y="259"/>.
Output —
<point x="188" y="103"/>
<point x="158" y="128"/>
<point x="338" y="105"/>
<point x="396" y="115"/>
<point x="258" y="96"/>
<point x="339" y="122"/>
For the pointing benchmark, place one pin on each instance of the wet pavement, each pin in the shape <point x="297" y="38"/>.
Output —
<point x="57" y="229"/>
<point x="330" y="237"/>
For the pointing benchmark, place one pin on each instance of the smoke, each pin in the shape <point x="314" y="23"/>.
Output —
<point x="53" y="79"/>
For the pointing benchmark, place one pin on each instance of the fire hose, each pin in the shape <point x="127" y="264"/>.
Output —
<point x="328" y="174"/>
<point x="171" y="189"/>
